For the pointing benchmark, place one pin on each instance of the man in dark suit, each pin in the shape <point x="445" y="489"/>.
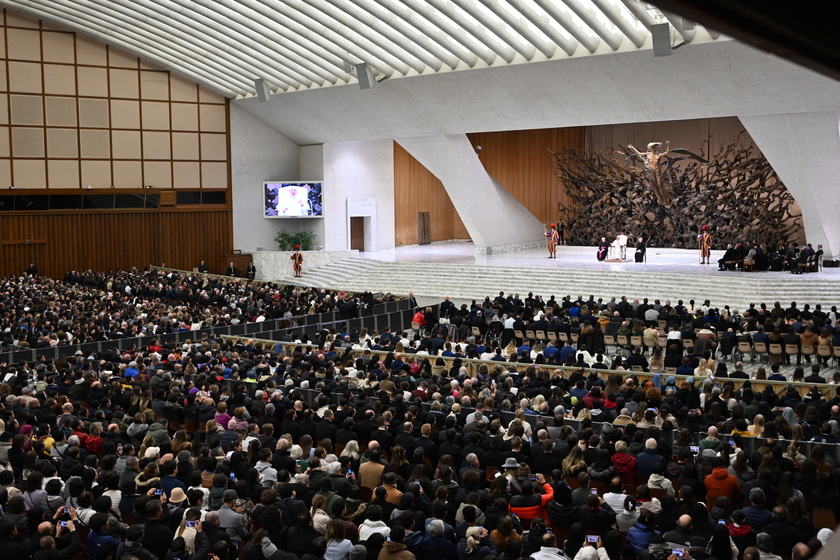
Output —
<point x="430" y="449"/>
<point x="231" y="270"/>
<point x="251" y="271"/>
<point x="202" y="267"/>
<point x="815" y="376"/>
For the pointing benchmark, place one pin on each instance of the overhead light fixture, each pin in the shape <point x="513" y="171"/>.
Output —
<point x="661" y="34"/>
<point x="365" y="75"/>
<point x="263" y="89"/>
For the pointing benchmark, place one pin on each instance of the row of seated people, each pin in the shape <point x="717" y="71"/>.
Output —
<point x="755" y="256"/>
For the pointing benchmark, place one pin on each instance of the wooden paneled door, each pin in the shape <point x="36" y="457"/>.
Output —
<point x="357" y="233"/>
<point x="424" y="228"/>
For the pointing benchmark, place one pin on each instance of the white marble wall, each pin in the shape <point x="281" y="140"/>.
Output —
<point x="354" y="170"/>
<point x="804" y="149"/>
<point x="258" y="153"/>
<point x="273" y="265"/>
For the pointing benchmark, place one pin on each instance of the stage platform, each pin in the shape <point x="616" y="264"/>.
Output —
<point x="454" y="269"/>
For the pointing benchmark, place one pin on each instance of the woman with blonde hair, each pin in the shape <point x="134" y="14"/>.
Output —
<point x="574" y="463"/>
<point x="351" y="449"/>
<point x="657" y="361"/>
<point x="757" y="427"/>
<point x="476" y="545"/>
<point x="188" y="532"/>
<point x="213" y="427"/>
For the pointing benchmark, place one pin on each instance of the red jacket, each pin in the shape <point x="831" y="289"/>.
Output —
<point x="721" y="483"/>
<point x="529" y="507"/>
<point x="625" y="464"/>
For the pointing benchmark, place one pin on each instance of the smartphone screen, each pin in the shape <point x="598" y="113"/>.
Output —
<point x="591" y="539"/>
<point x="694" y="449"/>
<point x="192" y="523"/>
<point x="594" y="491"/>
<point x="678" y="552"/>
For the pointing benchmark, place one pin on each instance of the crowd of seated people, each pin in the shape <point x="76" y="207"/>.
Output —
<point x="183" y="451"/>
<point x="760" y="256"/>
<point x="94" y="306"/>
<point x="579" y="329"/>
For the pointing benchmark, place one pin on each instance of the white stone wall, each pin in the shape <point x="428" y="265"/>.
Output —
<point x="274" y="265"/>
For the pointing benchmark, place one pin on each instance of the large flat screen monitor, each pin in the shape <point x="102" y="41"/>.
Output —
<point x="287" y="199"/>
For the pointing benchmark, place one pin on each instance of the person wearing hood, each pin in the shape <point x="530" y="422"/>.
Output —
<point x="268" y="474"/>
<point x="160" y="432"/>
<point x="658" y="481"/>
<point x="641" y="534"/>
<point x="394" y="548"/>
<point x="741" y="533"/>
<point x="624" y="463"/>
<point x="721" y="483"/>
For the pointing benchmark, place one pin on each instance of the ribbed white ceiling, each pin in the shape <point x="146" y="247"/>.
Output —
<point x="302" y="44"/>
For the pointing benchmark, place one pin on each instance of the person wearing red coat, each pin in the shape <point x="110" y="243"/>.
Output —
<point x="530" y="504"/>
<point x="721" y="483"/>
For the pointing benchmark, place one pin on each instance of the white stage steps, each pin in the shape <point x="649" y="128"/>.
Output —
<point x="466" y="282"/>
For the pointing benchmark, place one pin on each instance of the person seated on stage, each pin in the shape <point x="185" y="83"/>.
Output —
<point x="640" y="250"/>
<point x="751" y="255"/>
<point x="603" y="249"/>
<point x="619" y="247"/>
<point x="728" y="256"/>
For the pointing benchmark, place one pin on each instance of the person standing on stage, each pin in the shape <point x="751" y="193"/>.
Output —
<point x="551" y="240"/>
<point x="640" y="250"/>
<point x="705" y="243"/>
<point x="561" y="231"/>
<point x="603" y="249"/>
<point x="297" y="261"/>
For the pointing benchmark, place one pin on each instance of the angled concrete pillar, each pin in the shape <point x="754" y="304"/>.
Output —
<point x="804" y="149"/>
<point x="495" y="220"/>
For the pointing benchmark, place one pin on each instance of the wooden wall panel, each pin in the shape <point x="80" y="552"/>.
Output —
<point x="697" y="135"/>
<point x="113" y="240"/>
<point x="417" y="190"/>
<point x="521" y="161"/>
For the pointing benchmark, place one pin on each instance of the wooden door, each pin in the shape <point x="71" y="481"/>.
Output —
<point x="357" y="233"/>
<point x="424" y="228"/>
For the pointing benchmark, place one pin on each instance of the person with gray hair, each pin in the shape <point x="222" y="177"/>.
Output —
<point x="764" y="544"/>
<point x="648" y="457"/>
<point x="436" y="545"/>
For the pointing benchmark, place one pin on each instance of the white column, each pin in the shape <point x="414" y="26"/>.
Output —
<point x="495" y="220"/>
<point x="804" y="150"/>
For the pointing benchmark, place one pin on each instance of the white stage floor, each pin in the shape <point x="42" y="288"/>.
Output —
<point x="659" y="260"/>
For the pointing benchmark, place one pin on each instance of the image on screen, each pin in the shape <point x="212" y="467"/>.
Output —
<point x="292" y="199"/>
